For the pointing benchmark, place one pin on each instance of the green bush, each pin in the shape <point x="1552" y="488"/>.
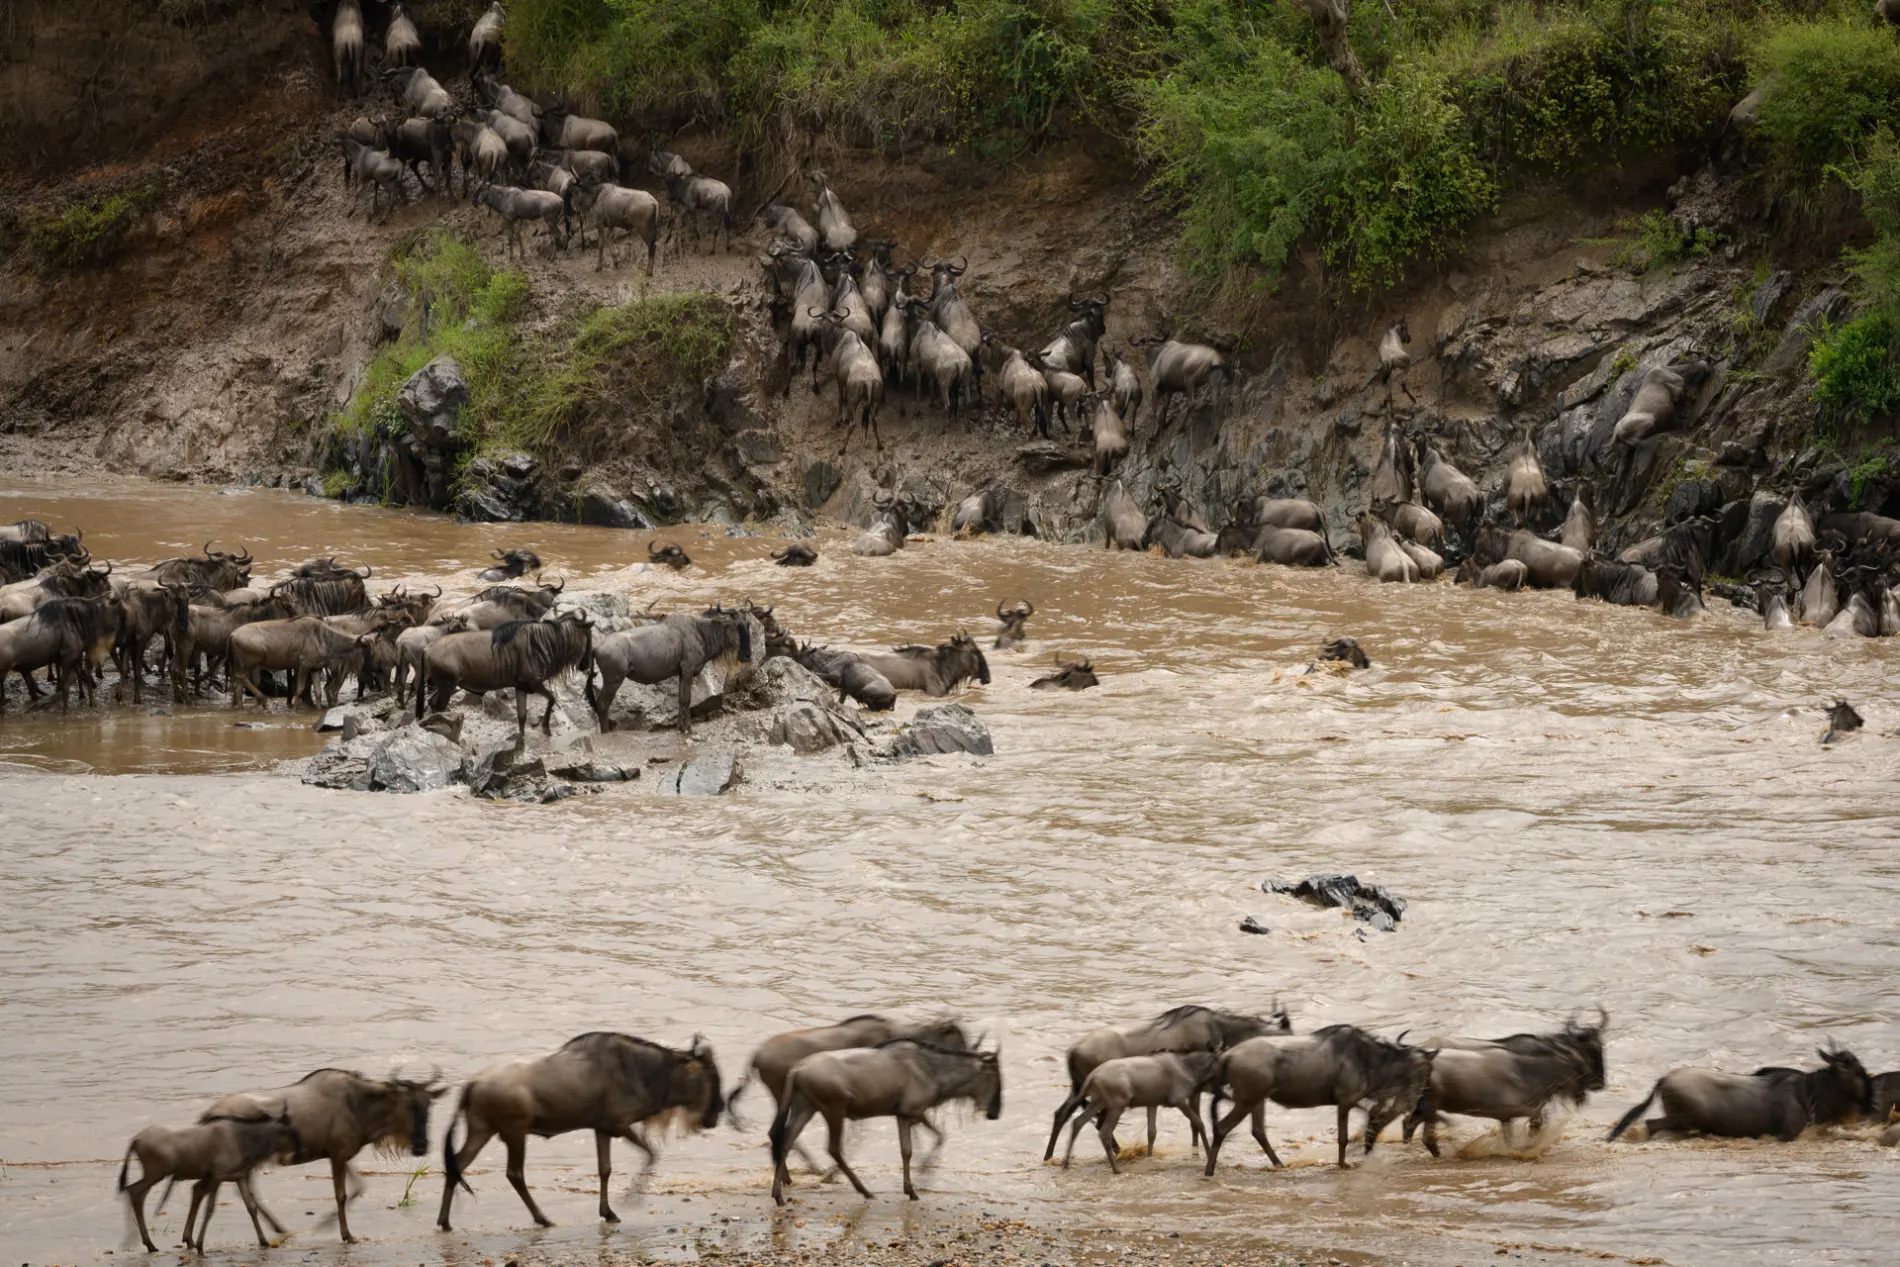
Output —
<point x="1853" y="368"/>
<point x="1659" y="243"/>
<point x="1876" y="178"/>
<point x="1824" y="85"/>
<point x="86" y="230"/>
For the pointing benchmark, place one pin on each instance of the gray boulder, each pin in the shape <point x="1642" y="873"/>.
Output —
<point x="1752" y="543"/>
<point x="498" y="490"/>
<point x="706" y="775"/>
<point x="606" y="610"/>
<point x="432" y="402"/>
<point x="943" y="728"/>
<point x="414" y="760"/>
<point x="603" y="508"/>
<point x="804" y="727"/>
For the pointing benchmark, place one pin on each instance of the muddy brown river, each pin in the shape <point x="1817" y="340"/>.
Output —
<point x="1583" y="804"/>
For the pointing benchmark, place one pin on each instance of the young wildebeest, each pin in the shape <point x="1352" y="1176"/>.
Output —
<point x="609" y="1083"/>
<point x="1513" y="1077"/>
<point x="1182" y="1028"/>
<point x="511" y="564"/>
<point x="1012" y="635"/>
<point x="337" y="1114"/>
<point x="795" y="556"/>
<point x="303" y="645"/>
<point x="847" y="671"/>
<point x="519" y="206"/>
<point x="412" y="644"/>
<point x="212" y="1154"/>
<point x="1339" y="1065"/>
<point x="677" y="647"/>
<point x="1070" y="675"/>
<point x="772" y="1063"/>
<point x="522" y="654"/>
<point x="690" y="195"/>
<point x="1771" y="1101"/>
<point x="626" y="213"/>
<point x="933" y="670"/>
<point x="376" y="170"/>
<point x="903" y="1079"/>
<point x="1164" y="1080"/>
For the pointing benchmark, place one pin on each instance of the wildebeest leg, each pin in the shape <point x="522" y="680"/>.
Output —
<point x="1221" y="1128"/>
<point x="547" y="717"/>
<point x="903" y="1150"/>
<point x="521" y="718"/>
<point x="1153" y="1113"/>
<point x="1197" y="1134"/>
<point x="634" y="1137"/>
<point x="603" y="1147"/>
<point x="1260" y="1132"/>
<point x="518" y="1176"/>
<point x="339" y="1171"/>
<point x="135" y="1194"/>
<point x="1431" y="1133"/>
<point x="834" y="1130"/>
<point x="936" y="1137"/>
<point x="1081" y="1119"/>
<point x="797" y="1115"/>
<point x="1105" y="1130"/>
<point x="1345" y="1112"/>
<point x="686" y="699"/>
<point x="251" y="1207"/>
<point x="208" y="1188"/>
<point x="477" y="1137"/>
<point x="1063" y="1110"/>
<point x="269" y="1218"/>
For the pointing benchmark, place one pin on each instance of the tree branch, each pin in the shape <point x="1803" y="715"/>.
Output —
<point x="1329" y="18"/>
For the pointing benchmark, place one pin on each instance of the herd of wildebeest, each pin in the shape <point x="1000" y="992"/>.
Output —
<point x="873" y="1066"/>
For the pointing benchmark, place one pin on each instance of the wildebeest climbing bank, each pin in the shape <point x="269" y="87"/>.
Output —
<point x="949" y="633"/>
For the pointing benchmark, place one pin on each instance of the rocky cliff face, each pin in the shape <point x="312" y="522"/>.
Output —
<point x="241" y="312"/>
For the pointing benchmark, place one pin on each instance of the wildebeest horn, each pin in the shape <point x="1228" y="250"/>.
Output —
<point x="498" y="555"/>
<point x="435" y="1075"/>
<point x="963" y="266"/>
<point x="1603" y="1020"/>
<point x="208" y="553"/>
<point x="1400" y="1040"/>
<point x="395" y="1074"/>
<point x="559" y="585"/>
<point x="438" y="592"/>
<point x="1103" y="301"/>
<point x="1000" y="613"/>
<point x="367" y="572"/>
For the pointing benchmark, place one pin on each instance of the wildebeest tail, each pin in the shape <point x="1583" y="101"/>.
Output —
<point x="1623" y="1123"/>
<point x="1042" y="419"/>
<point x="732" y="1100"/>
<point x="451" y="1167"/>
<point x="125" y="1167"/>
<point x="422" y="683"/>
<point x="780" y="1133"/>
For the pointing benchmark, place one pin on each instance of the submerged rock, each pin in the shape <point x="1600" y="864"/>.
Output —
<point x="804" y="727"/>
<point x="1373" y="903"/>
<point x="943" y="728"/>
<point x="707" y="775"/>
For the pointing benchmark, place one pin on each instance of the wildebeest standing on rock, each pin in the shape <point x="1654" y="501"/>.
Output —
<point x="522" y="655"/>
<point x="302" y="645"/>
<point x="1446" y="489"/>
<point x="1073" y="349"/>
<point x="1395" y="360"/>
<point x="834" y="223"/>
<point x="1771" y="1101"/>
<point x="1794" y="541"/>
<point x="1580" y="526"/>
<point x="933" y="670"/>
<point x="1108" y="434"/>
<point x="336" y="1114"/>
<point x="1340" y="1065"/>
<point x="1657" y="405"/>
<point x="612" y="1084"/>
<point x="677" y="647"/>
<point x="510" y="565"/>
<point x="1385" y="560"/>
<point x="211" y="1153"/>
<point x="903" y="1079"/>
<point x="1177" y="1029"/>
<point x="1177" y="368"/>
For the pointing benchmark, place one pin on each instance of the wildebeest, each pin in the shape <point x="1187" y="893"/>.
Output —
<point x="1184" y="1028"/>
<point x="64" y="579"/>
<point x="347" y="45"/>
<point x="522" y="655"/>
<point x="212" y="1154"/>
<point x="1657" y="402"/>
<point x="1842" y="721"/>
<point x="611" y="1084"/>
<point x="1820" y="597"/>
<point x="1580" y="527"/>
<point x="1446" y="489"/>
<point x="1392" y="474"/>
<point x="1340" y="1065"/>
<point x="1794" y="541"/>
<point x="1629" y="584"/>
<point x="215" y="570"/>
<point x="834" y="223"/>
<point x="337" y="1114"/>
<point x="335" y="594"/>
<point x="1025" y="389"/>
<point x="670" y="554"/>
<point x="1177" y="539"/>
<point x="1885" y="1100"/>
<point x="499" y="604"/>
<point x="691" y="194"/>
<point x="484" y="39"/>
<point x="1012" y="635"/>
<point x="1505" y="574"/>
<point x="1412" y="522"/>
<point x="67" y="634"/>
<point x="1346" y="650"/>
<point x="1070" y="675"/>
<point x="848" y="671"/>
<point x="903" y="1079"/>
<point x="933" y="670"/>
<point x="1525" y="489"/>
<point x="1177" y="368"/>
<point x="787" y="223"/>
<point x="1512" y="1077"/>
<point x="418" y="92"/>
<point x="1772" y="601"/>
<point x="375" y="170"/>
<point x="1073" y="349"/>
<point x="677" y="647"/>
<point x="1771" y="1101"/>
<point x="1547" y="565"/>
<point x="510" y="564"/>
<point x="1066" y="392"/>
<point x="518" y="206"/>
<point x="952" y="315"/>
<point x="795" y="556"/>
<point x="413" y="643"/>
<point x="481" y="154"/>
<point x="401" y="43"/>
<point x="1108" y="434"/>
<point x="1862" y="527"/>
<point x="1395" y="360"/>
<point x="1123" y="524"/>
<point x="1384" y="559"/>
<point x="207" y="638"/>
<point x="775" y="1058"/>
<point x="886" y="532"/>
<point x="1173" y="1079"/>
<point x="1124" y="387"/>
<point x="858" y="377"/>
<point x="302" y="645"/>
<point x="151" y="610"/>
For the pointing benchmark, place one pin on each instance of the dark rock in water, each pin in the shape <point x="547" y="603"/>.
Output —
<point x="603" y="508"/>
<point x="493" y="492"/>
<point x="414" y="760"/>
<point x="943" y="728"/>
<point x="1252" y="925"/>
<point x="595" y="772"/>
<point x="1372" y="903"/>
<point x="702" y="776"/>
<point x="805" y="727"/>
<point x="448" y="725"/>
<point x="821" y="481"/>
<point x="1842" y="721"/>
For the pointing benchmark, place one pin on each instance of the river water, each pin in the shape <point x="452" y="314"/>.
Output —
<point x="1583" y="804"/>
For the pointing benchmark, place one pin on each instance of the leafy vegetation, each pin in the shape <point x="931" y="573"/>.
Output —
<point x="1825" y="86"/>
<point x="86" y="230"/>
<point x="1853" y="368"/>
<point x="527" y="386"/>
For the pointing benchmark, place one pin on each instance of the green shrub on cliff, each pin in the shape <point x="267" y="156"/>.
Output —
<point x="86" y="230"/>
<point x="1853" y="367"/>
<point x="1825" y="86"/>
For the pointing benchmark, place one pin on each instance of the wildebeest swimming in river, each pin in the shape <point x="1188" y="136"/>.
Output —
<point x="612" y="1084"/>
<point x="903" y="1079"/>
<point x="511" y="564"/>
<point x="1177" y="1029"/>
<point x="795" y="556"/>
<point x="1070" y="675"/>
<point x="1842" y="721"/>
<point x="1012" y="635"/>
<point x="336" y="1114"/>
<point x="1771" y="1101"/>
<point x="677" y="647"/>
<point x="933" y="670"/>
<point x="1346" y="650"/>
<point x="1339" y="1065"/>
<point x="670" y="554"/>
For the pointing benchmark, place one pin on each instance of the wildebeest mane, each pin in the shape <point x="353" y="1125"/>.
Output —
<point x="1175" y="1015"/>
<point x="34" y="530"/>
<point x="538" y="649"/>
<point x="83" y="618"/>
<point x="861" y="1016"/>
<point x="925" y="1044"/>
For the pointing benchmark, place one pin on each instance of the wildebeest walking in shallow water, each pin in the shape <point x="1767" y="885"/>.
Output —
<point x="1339" y="1065"/>
<point x="212" y="1154"/>
<point x="1164" y="1080"/>
<point x="1512" y="1077"/>
<point x="1771" y="1101"/>
<point x="611" y="1084"/>
<point x="1177" y="1029"/>
<point x="903" y="1079"/>
<point x="336" y="1115"/>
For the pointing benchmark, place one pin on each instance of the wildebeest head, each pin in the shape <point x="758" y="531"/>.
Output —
<point x="735" y="631"/>
<point x="398" y="1111"/>
<point x="1840" y="1089"/>
<point x="965" y="658"/>
<point x="1346" y="650"/>
<point x="670" y="554"/>
<point x="1842" y="718"/>
<point x="699" y="1083"/>
<point x="1013" y="619"/>
<point x="1070" y="675"/>
<point x="796" y="556"/>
